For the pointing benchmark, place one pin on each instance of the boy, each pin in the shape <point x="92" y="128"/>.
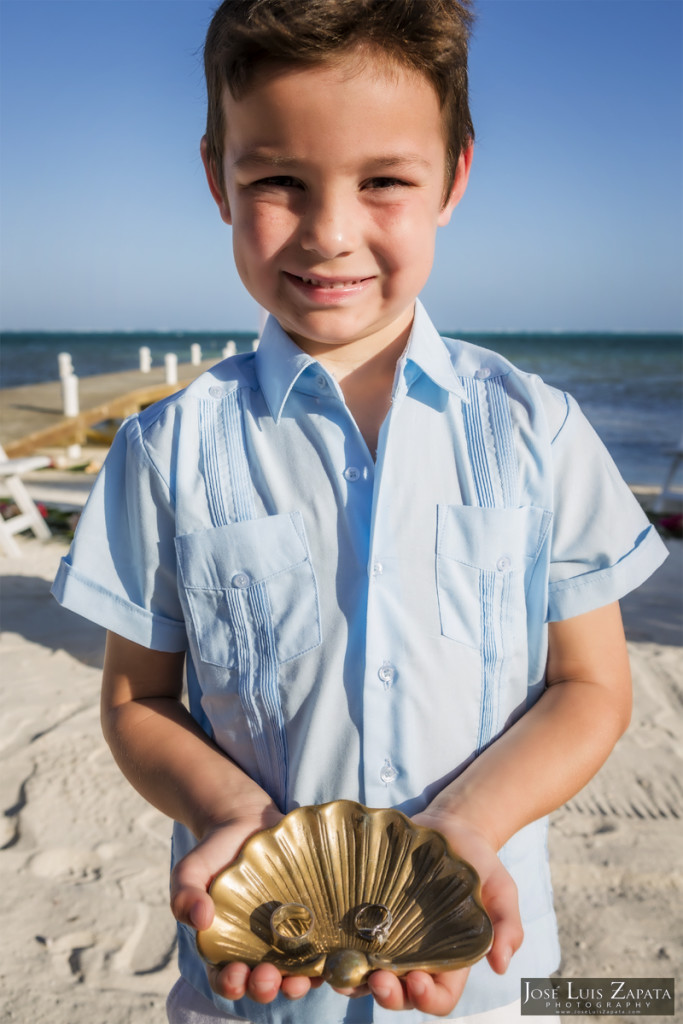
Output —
<point x="390" y="561"/>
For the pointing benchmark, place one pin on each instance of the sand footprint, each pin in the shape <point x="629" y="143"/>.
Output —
<point x="66" y="861"/>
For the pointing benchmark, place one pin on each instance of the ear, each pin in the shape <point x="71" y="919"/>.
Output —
<point x="214" y="183"/>
<point x="462" y="175"/>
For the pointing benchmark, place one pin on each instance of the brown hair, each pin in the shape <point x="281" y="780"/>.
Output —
<point x="429" y="36"/>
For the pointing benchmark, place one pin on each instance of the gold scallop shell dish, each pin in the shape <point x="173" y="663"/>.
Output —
<point x="339" y="890"/>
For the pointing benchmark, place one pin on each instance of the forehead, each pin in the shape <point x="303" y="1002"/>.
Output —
<point x="360" y="101"/>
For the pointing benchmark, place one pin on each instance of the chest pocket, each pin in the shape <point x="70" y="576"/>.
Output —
<point x="485" y="557"/>
<point x="251" y="591"/>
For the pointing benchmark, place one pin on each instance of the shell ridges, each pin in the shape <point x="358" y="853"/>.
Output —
<point x="334" y="859"/>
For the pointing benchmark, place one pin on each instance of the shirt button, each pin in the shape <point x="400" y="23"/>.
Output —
<point x="377" y="568"/>
<point x="215" y="391"/>
<point x="240" y="580"/>
<point x="321" y="381"/>
<point x="388" y="773"/>
<point x="352" y="473"/>
<point x="483" y="373"/>
<point x="503" y="564"/>
<point x="387" y="673"/>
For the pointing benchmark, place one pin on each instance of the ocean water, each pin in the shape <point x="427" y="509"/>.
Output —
<point x="629" y="386"/>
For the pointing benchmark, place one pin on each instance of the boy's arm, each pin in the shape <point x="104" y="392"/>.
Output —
<point x="533" y="768"/>
<point x="166" y="756"/>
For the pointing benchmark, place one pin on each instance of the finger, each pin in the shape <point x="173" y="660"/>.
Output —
<point x="295" y="987"/>
<point x="502" y="906"/>
<point x="436" y="994"/>
<point x="264" y="983"/>
<point x="388" y="991"/>
<point x="353" y="993"/>
<point x="230" y="981"/>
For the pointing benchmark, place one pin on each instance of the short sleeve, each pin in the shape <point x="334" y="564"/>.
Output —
<point x="603" y="544"/>
<point x="121" y="569"/>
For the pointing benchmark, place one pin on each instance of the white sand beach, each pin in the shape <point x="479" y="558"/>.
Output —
<point x="87" y="935"/>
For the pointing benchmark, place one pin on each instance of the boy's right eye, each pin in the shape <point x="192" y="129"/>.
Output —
<point x="277" y="181"/>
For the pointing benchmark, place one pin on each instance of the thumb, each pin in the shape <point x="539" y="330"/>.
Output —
<point x="501" y="901"/>
<point x="194" y="907"/>
<point x="190" y="902"/>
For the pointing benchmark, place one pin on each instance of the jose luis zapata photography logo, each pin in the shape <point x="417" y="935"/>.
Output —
<point x="597" y="996"/>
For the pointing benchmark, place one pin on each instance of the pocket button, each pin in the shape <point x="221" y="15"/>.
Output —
<point x="503" y="564"/>
<point x="240" y="580"/>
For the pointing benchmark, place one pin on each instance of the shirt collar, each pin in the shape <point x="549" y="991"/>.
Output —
<point x="280" y="362"/>
<point x="428" y="353"/>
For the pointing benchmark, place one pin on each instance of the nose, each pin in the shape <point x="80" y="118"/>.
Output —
<point x="328" y="227"/>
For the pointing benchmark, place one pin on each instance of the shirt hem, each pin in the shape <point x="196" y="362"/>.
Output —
<point x="567" y="598"/>
<point x="112" y="612"/>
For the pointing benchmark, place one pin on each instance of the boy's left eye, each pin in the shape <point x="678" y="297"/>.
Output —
<point x="277" y="181"/>
<point x="387" y="183"/>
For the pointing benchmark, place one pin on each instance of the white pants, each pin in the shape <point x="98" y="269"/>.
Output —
<point x="187" y="1006"/>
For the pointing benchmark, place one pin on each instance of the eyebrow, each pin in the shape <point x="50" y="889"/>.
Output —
<point x="400" y="160"/>
<point x="257" y="157"/>
<point x="261" y="158"/>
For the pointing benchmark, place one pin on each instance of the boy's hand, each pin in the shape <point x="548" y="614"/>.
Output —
<point x="191" y="904"/>
<point x="435" y="994"/>
<point x="439" y="994"/>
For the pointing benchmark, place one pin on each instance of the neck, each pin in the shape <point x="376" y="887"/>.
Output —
<point x="365" y="370"/>
<point x="367" y="386"/>
<point x="374" y="357"/>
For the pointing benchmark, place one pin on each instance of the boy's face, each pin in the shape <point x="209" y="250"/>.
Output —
<point x="334" y="183"/>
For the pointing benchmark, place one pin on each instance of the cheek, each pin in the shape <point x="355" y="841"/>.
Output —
<point x="403" y="228"/>
<point x="407" y="241"/>
<point x="264" y="231"/>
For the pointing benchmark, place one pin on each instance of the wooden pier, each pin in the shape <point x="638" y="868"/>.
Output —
<point x="32" y="418"/>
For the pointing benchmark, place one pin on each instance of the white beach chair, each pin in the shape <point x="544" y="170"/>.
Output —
<point x="28" y="517"/>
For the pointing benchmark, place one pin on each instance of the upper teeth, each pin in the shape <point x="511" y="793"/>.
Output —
<point x="328" y="284"/>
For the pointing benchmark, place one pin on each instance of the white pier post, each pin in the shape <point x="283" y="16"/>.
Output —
<point x="195" y="354"/>
<point x="254" y="344"/>
<point x="171" y="364"/>
<point x="145" y="359"/>
<point x="70" y="395"/>
<point x="66" y="367"/>
<point x="229" y="349"/>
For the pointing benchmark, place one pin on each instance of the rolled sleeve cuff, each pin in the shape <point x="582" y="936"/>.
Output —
<point x="591" y="590"/>
<point x="115" y="613"/>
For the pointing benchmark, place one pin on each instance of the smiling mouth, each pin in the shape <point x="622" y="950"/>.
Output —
<point x="330" y="283"/>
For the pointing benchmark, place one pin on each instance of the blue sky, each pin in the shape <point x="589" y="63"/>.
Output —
<point x="573" y="219"/>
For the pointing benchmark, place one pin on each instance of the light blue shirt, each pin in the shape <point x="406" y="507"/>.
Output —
<point x="354" y="628"/>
